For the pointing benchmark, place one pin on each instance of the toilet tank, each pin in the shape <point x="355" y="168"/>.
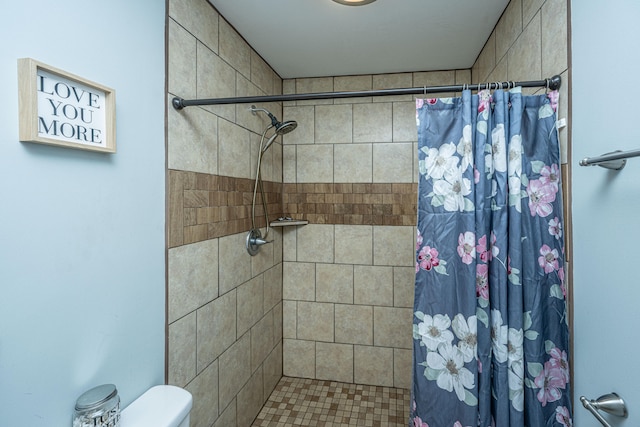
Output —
<point x="160" y="406"/>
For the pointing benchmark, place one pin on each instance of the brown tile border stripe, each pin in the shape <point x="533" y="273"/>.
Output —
<point x="204" y="206"/>
<point x="352" y="203"/>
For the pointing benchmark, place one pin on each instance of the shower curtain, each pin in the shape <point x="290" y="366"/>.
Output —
<point x="490" y="333"/>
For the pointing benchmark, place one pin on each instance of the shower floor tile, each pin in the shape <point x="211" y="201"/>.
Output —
<point x="307" y="402"/>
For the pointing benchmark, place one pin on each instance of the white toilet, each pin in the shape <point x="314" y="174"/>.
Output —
<point x="160" y="406"/>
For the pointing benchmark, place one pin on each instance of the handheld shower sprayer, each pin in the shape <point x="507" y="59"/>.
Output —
<point x="254" y="238"/>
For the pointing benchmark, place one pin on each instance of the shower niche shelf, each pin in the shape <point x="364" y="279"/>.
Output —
<point x="288" y="222"/>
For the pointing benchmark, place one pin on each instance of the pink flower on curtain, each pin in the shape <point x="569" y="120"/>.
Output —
<point x="563" y="416"/>
<point x="419" y="103"/>
<point x="431" y="101"/>
<point x="550" y="175"/>
<point x="482" y="281"/>
<point x="540" y="198"/>
<point x="417" y="422"/>
<point x="553" y="98"/>
<point x="555" y="228"/>
<point x="428" y="258"/>
<point x="548" y="259"/>
<point x="484" y="100"/>
<point x="467" y="246"/>
<point x="559" y="360"/>
<point x="549" y="381"/>
<point x="418" y="240"/>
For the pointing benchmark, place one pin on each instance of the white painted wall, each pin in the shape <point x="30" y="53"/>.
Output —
<point x="82" y="277"/>
<point x="606" y="205"/>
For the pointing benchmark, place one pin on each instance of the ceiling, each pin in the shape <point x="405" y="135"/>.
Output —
<point x="314" y="38"/>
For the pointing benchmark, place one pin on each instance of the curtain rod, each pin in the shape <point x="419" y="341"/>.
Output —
<point x="178" y="103"/>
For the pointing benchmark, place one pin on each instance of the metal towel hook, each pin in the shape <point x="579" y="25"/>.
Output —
<point x="610" y="403"/>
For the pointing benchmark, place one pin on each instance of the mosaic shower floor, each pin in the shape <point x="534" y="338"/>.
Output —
<point x="307" y="402"/>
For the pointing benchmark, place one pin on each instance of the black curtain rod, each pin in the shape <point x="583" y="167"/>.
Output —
<point x="552" y="83"/>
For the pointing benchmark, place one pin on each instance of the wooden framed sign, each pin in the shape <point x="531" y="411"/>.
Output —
<point x="59" y="108"/>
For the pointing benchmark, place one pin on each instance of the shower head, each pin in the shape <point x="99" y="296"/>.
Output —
<point x="281" y="128"/>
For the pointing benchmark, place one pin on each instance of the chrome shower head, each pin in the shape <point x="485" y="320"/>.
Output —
<point x="281" y="128"/>
<point x="286" y="127"/>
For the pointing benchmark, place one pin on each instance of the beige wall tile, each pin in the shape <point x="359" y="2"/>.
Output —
<point x="402" y="368"/>
<point x="372" y="122"/>
<point x="530" y="8"/>
<point x="390" y="327"/>
<point x="508" y="28"/>
<point x="525" y="56"/>
<point x="216" y="328"/>
<point x="393" y="162"/>
<point x="314" y="163"/>
<point x="373" y="285"/>
<point x="261" y="340"/>
<point x="434" y="78"/>
<point x="181" y="356"/>
<point x="235" y="262"/>
<point x="486" y="61"/>
<point x="216" y="78"/>
<point x="199" y="18"/>
<point x="193" y="277"/>
<point x="393" y="246"/>
<point x="182" y="61"/>
<point x="352" y="83"/>
<point x="250" y="399"/>
<point x="228" y="416"/>
<point x="233" y="142"/>
<point x="463" y="76"/>
<point x="289" y="167"/>
<point x="272" y="287"/>
<point x="299" y="358"/>
<point x="334" y="362"/>
<point x="354" y="244"/>
<point x="500" y="72"/>
<point x="393" y="81"/>
<point x="299" y="281"/>
<point x="315" y="321"/>
<point x="404" y="121"/>
<point x="192" y="140"/>
<point x="272" y="370"/>
<point x="554" y="37"/>
<point x="314" y="85"/>
<point x="373" y="365"/>
<point x="333" y="124"/>
<point x="334" y="283"/>
<point x="261" y="73"/>
<point x="352" y="163"/>
<point x="250" y="303"/>
<point x="204" y="389"/>
<point x="403" y="286"/>
<point x="289" y="319"/>
<point x="315" y="243"/>
<point x="354" y="324"/>
<point x="263" y="260"/>
<point x="234" y="49"/>
<point x="277" y="323"/>
<point x="304" y="133"/>
<point x="235" y="369"/>
<point x="289" y="243"/>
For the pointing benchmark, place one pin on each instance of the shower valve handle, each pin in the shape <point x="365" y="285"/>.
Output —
<point x="259" y="242"/>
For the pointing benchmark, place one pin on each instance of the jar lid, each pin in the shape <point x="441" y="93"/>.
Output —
<point x="96" y="396"/>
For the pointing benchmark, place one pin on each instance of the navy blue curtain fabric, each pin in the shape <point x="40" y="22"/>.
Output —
<point x="490" y="326"/>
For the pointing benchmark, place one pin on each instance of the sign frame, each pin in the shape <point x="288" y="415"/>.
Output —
<point x="69" y="115"/>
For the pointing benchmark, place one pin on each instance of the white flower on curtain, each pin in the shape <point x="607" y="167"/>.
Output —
<point x="467" y="333"/>
<point x="435" y="331"/>
<point x="451" y="190"/>
<point x="449" y="361"/>
<point x="439" y="161"/>
<point x="499" y="337"/>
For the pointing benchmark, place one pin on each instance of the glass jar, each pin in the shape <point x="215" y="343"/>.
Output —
<point x="98" y="407"/>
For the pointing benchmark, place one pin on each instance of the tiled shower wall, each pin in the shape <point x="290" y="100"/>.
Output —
<point x="351" y="169"/>
<point x="224" y="307"/>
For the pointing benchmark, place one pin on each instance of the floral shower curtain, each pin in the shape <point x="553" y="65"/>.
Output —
<point x="490" y="327"/>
